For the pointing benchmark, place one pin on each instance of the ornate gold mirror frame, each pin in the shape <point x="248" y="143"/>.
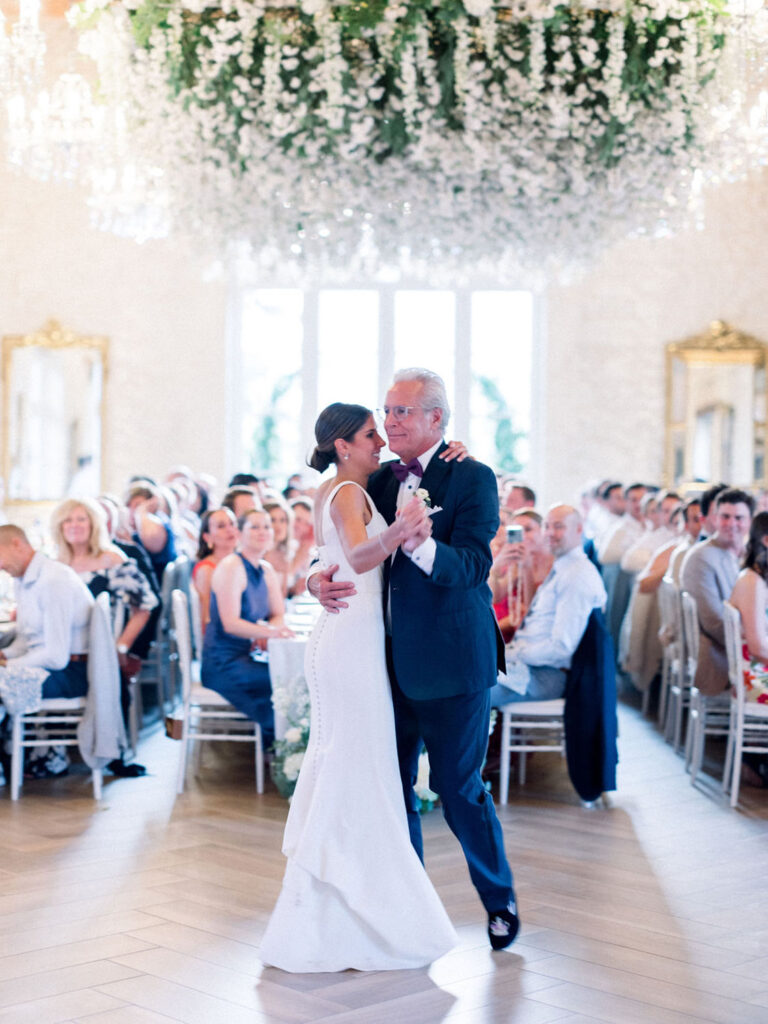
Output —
<point x="716" y="409"/>
<point x="54" y="399"/>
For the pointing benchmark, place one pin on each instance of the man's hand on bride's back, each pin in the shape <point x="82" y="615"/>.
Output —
<point x="329" y="592"/>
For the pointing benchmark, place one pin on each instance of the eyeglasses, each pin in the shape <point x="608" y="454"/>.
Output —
<point x="399" y="412"/>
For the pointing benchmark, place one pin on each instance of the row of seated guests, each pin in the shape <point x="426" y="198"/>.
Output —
<point x="715" y="555"/>
<point x="123" y="548"/>
<point x="44" y="652"/>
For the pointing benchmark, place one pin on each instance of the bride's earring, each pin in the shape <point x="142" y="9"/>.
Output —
<point x="347" y="455"/>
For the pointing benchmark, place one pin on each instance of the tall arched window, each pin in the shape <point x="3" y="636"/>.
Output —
<point x="299" y="350"/>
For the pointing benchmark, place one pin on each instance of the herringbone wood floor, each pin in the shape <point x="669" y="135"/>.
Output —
<point x="149" y="908"/>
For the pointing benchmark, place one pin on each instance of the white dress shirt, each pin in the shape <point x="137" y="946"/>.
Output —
<point x="424" y="555"/>
<point x="558" y="616"/>
<point x="53" y="611"/>
<point x="619" y="539"/>
<point x="645" y="547"/>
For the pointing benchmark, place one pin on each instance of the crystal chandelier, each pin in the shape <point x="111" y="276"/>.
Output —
<point x="336" y="139"/>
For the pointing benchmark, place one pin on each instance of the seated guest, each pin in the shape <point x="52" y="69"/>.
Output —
<point x="709" y="573"/>
<point x="79" y="531"/>
<point x="515" y="496"/>
<point x="303" y="509"/>
<point x="255" y="483"/>
<point x="669" y="558"/>
<point x="240" y="499"/>
<point x="640" y="651"/>
<point x="658" y="512"/>
<point x="246" y="610"/>
<point x="218" y="538"/>
<point x="600" y="518"/>
<point x="709" y="510"/>
<point x="518" y="571"/>
<point x="750" y="597"/>
<point x="541" y="652"/>
<point x="50" y="634"/>
<point x="627" y="530"/>
<point x="293" y="488"/>
<point x="117" y="518"/>
<point x="151" y="527"/>
<point x="288" y="557"/>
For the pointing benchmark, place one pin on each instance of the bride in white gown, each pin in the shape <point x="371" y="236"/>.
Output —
<point x="355" y="894"/>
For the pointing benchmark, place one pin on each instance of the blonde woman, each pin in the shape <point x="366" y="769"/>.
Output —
<point x="79" y="530"/>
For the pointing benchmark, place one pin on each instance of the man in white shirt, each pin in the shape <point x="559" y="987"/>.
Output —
<point x="636" y="558"/>
<point x="53" y="610"/>
<point x="541" y="652"/>
<point x="607" y="510"/>
<point x="627" y="530"/>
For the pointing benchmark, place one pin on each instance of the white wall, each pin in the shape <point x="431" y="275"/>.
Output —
<point x="598" y="388"/>
<point x="166" y="390"/>
<point x="604" y="359"/>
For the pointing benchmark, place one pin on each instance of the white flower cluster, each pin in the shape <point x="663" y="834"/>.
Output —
<point x="530" y="133"/>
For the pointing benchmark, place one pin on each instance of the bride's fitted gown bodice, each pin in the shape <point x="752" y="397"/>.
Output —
<point x="355" y="894"/>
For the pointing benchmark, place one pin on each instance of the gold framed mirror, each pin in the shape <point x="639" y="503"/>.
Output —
<point x="54" y="388"/>
<point x="716" y="409"/>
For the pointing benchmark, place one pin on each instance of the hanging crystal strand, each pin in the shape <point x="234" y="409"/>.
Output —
<point x="488" y="25"/>
<point x="537" y="60"/>
<point x="461" y="57"/>
<point x="332" y="69"/>
<point x="408" y="85"/>
<point x="614" y="68"/>
<point x="272" y="87"/>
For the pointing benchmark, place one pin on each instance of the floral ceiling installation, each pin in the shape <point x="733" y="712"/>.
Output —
<point x="347" y="137"/>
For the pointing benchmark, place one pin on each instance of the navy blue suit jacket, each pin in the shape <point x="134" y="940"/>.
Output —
<point x="591" y="727"/>
<point x="445" y="640"/>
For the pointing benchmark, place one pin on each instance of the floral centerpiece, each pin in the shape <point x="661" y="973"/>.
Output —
<point x="290" y="701"/>
<point x="345" y="135"/>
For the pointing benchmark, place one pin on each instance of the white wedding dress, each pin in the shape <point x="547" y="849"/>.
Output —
<point x="355" y="895"/>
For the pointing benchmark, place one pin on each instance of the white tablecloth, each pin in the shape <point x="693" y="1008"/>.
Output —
<point x="286" y="672"/>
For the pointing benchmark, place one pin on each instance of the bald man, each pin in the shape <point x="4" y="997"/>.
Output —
<point x="541" y="651"/>
<point x="53" y="610"/>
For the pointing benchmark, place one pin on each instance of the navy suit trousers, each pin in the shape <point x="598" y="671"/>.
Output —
<point x="455" y="732"/>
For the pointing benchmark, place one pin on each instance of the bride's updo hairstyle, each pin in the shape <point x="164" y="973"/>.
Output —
<point x="337" y="422"/>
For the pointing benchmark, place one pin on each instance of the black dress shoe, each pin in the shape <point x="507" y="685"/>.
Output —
<point x="503" y="926"/>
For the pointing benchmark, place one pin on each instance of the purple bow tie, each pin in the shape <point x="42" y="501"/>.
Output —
<point x="401" y="470"/>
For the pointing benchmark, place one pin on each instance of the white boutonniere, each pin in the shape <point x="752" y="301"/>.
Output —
<point x="423" y="495"/>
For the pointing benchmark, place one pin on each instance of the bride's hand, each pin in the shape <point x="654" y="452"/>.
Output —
<point x="455" y="450"/>
<point x="415" y="523"/>
<point x="412" y="517"/>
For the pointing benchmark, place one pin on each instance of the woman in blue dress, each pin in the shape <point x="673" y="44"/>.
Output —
<point x="246" y="610"/>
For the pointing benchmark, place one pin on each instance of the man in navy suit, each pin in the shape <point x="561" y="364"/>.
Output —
<point x="443" y="647"/>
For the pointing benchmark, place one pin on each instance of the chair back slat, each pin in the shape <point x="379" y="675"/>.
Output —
<point x="733" y="649"/>
<point x="690" y="616"/>
<point x="195" y="618"/>
<point x="180" y="612"/>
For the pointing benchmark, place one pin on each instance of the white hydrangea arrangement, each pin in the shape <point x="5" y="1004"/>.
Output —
<point x="345" y="136"/>
<point x="290" y="700"/>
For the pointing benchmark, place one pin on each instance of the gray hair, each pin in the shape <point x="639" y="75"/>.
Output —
<point x="435" y="396"/>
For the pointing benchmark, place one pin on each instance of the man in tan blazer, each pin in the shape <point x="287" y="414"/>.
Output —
<point x="708" y="574"/>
